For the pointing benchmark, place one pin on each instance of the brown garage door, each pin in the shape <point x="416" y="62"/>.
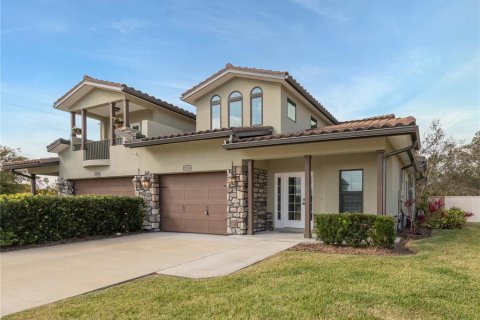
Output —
<point x="195" y="202"/>
<point x="107" y="186"/>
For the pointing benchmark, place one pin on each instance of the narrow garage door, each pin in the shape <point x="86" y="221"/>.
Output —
<point x="105" y="186"/>
<point x="195" y="202"/>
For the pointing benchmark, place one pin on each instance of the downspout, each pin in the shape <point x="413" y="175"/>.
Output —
<point x="393" y="153"/>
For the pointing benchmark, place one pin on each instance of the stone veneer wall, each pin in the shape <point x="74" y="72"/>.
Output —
<point x="151" y="222"/>
<point x="65" y="187"/>
<point x="260" y="199"/>
<point x="237" y="201"/>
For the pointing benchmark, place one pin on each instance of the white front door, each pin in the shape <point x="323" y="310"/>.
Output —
<point x="289" y="200"/>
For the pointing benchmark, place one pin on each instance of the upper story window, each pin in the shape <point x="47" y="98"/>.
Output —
<point x="256" y="104"/>
<point x="215" y="113"/>
<point x="313" y="123"/>
<point x="235" y="109"/>
<point x="291" y="110"/>
<point x="351" y="190"/>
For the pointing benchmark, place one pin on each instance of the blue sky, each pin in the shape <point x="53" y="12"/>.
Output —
<point x="359" y="58"/>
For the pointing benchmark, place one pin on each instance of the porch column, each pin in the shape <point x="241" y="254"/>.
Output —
<point x="33" y="183"/>
<point x="250" y="230"/>
<point x="84" y="128"/>
<point x="380" y="181"/>
<point x="307" y="233"/>
<point x="126" y="113"/>
<point x="72" y="123"/>
<point x="112" y="127"/>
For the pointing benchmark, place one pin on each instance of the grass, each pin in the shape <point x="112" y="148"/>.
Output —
<point x="442" y="281"/>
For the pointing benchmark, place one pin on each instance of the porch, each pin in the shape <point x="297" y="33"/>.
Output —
<point x="283" y="194"/>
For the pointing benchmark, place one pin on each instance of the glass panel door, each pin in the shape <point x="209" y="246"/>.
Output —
<point x="294" y="197"/>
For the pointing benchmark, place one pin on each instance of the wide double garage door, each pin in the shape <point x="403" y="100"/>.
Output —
<point x="107" y="186"/>
<point x="194" y="202"/>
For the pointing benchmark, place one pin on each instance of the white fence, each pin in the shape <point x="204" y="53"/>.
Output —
<point x="471" y="204"/>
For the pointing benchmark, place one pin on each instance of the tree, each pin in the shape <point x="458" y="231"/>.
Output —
<point x="10" y="182"/>
<point x="453" y="168"/>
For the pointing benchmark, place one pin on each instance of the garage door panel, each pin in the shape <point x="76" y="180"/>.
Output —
<point x="196" y="195"/>
<point x="217" y="210"/>
<point x="105" y="186"/>
<point x="217" y="195"/>
<point x="201" y="192"/>
<point x="173" y="196"/>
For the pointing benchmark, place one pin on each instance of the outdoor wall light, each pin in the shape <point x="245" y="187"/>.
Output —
<point x="231" y="178"/>
<point x="146" y="180"/>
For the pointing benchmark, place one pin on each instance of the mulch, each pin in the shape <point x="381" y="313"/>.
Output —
<point x="399" y="250"/>
<point x="66" y="241"/>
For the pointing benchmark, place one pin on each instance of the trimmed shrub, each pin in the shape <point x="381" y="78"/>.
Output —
<point x="453" y="218"/>
<point x="37" y="219"/>
<point x="355" y="229"/>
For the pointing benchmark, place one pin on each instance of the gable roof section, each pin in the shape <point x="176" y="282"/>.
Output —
<point x="362" y="128"/>
<point x="87" y="80"/>
<point x="284" y="75"/>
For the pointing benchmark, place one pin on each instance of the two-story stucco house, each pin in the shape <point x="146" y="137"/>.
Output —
<point x="261" y="152"/>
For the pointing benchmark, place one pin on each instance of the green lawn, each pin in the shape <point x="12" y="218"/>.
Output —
<point x="442" y="281"/>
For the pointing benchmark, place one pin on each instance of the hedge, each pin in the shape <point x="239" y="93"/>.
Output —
<point x="355" y="229"/>
<point x="27" y="219"/>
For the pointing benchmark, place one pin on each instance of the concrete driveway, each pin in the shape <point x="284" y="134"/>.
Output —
<point x="33" y="277"/>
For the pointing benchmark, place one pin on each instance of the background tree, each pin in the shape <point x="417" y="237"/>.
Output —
<point x="10" y="182"/>
<point x="453" y="168"/>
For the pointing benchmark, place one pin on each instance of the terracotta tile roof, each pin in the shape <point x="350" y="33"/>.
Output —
<point x="130" y="90"/>
<point x="30" y="163"/>
<point x="380" y="122"/>
<point x="230" y="66"/>
<point x="203" y="135"/>
<point x="283" y="74"/>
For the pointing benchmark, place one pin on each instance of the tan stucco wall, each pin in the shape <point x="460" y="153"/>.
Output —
<point x="206" y="155"/>
<point x="155" y="129"/>
<point x="274" y="102"/>
<point x="96" y="97"/>
<point x="303" y="116"/>
<point x="392" y="185"/>
<point x="271" y="102"/>
<point x="326" y="179"/>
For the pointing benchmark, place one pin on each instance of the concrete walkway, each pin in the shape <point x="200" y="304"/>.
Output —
<point x="34" y="277"/>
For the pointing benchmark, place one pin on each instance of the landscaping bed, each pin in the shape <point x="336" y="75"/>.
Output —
<point x="400" y="249"/>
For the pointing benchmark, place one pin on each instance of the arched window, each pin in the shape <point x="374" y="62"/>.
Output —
<point x="235" y="109"/>
<point x="215" y="112"/>
<point x="256" y="105"/>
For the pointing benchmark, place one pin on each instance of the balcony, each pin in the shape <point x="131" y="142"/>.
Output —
<point x="97" y="153"/>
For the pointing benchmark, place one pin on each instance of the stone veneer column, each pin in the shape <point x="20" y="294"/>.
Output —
<point x="151" y="221"/>
<point x="261" y="217"/>
<point x="65" y="187"/>
<point x="237" y="201"/>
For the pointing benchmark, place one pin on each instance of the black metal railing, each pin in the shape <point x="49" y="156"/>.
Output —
<point x="97" y="150"/>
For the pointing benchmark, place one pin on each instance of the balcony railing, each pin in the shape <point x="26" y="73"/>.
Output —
<point x="97" y="150"/>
